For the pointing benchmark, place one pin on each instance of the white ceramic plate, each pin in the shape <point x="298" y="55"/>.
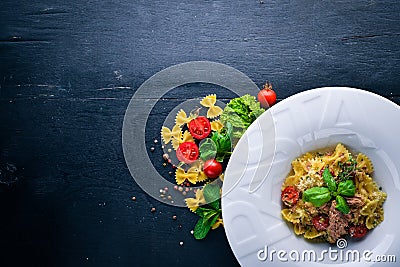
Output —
<point x="314" y="119"/>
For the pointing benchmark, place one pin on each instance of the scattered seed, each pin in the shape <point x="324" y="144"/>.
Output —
<point x="169" y="150"/>
<point x="181" y="243"/>
<point x="152" y="149"/>
<point x="162" y="147"/>
<point x="165" y="156"/>
<point x="191" y="231"/>
<point x="153" y="209"/>
<point x="187" y="189"/>
<point x="134" y="198"/>
<point x="184" y="193"/>
<point x="169" y="197"/>
<point x="172" y="202"/>
<point x="169" y="161"/>
<point x="166" y="188"/>
<point x="175" y="187"/>
<point x="180" y="189"/>
<point x="170" y="173"/>
<point x="164" y="164"/>
<point x="180" y="226"/>
<point x="162" y="195"/>
<point x="174" y="217"/>
<point x="155" y="141"/>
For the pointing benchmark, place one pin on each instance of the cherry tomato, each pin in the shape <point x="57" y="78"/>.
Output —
<point x="199" y="127"/>
<point x="212" y="168"/>
<point x="267" y="96"/>
<point x="358" y="231"/>
<point x="187" y="152"/>
<point x="290" y="196"/>
<point x="320" y="222"/>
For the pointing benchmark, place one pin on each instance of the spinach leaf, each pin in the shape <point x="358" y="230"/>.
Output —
<point x="208" y="149"/>
<point x="318" y="196"/>
<point x="222" y="141"/>
<point x="212" y="195"/>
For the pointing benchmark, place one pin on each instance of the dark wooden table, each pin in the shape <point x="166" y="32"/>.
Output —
<point x="68" y="71"/>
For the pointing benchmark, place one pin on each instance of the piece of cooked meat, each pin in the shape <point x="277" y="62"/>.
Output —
<point x="354" y="201"/>
<point x="325" y="208"/>
<point x="338" y="222"/>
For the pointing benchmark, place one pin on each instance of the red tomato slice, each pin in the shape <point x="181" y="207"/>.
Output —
<point x="358" y="231"/>
<point x="199" y="127"/>
<point x="290" y="196"/>
<point x="187" y="152"/>
<point x="320" y="222"/>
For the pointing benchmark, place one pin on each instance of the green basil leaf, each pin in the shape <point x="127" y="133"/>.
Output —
<point x="346" y="188"/>
<point x="208" y="149"/>
<point x="201" y="211"/>
<point x="210" y="215"/>
<point x="212" y="195"/>
<point x="203" y="225"/>
<point x="318" y="196"/>
<point x="328" y="179"/>
<point x="341" y="205"/>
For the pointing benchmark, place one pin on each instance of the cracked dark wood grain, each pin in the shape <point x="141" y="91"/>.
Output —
<point x="69" y="69"/>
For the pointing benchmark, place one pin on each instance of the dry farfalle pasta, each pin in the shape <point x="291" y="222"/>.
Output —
<point x="209" y="102"/>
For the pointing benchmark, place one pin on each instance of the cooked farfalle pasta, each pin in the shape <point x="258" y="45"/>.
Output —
<point x="209" y="102"/>
<point x="364" y="163"/>
<point x="317" y="181"/>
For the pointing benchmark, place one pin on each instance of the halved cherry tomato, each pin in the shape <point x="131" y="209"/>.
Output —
<point x="187" y="152"/>
<point x="320" y="222"/>
<point x="358" y="231"/>
<point x="212" y="168"/>
<point x="199" y="127"/>
<point x="290" y="196"/>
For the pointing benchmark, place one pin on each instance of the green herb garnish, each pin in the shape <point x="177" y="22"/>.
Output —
<point x="328" y="179"/>
<point x="210" y="214"/>
<point x="341" y="205"/>
<point x="318" y="196"/>
<point x="347" y="169"/>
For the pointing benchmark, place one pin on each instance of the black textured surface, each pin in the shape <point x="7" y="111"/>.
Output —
<point x="68" y="71"/>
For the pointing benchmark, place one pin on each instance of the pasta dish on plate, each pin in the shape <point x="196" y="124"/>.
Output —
<point x="331" y="194"/>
